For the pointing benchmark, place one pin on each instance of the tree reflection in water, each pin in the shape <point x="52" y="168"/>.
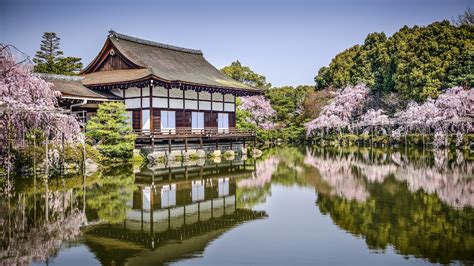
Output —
<point x="37" y="220"/>
<point x="419" y="206"/>
<point x="419" y="202"/>
<point x="40" y="215"/>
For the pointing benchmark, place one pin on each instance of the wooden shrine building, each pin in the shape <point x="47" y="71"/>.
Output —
<point x="167" y="90"/>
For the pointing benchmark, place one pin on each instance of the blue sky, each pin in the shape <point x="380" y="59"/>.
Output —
<point x="287" y="41"/>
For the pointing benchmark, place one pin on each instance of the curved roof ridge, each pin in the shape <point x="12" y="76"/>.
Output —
<point x="152" y="43"/>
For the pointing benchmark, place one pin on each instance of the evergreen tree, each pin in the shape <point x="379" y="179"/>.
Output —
<point x="111" y="131"/>
<point x="49" y="58"/>
<point x="323" y="78"/>
<point x="245" y="75"/>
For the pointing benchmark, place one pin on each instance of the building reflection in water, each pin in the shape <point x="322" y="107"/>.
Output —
<point x="189" y="205"/>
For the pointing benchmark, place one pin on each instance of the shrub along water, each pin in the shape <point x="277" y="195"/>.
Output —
<point x="110" y="132"/>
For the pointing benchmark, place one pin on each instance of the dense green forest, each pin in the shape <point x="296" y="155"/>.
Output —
<point x="416" y="62"/>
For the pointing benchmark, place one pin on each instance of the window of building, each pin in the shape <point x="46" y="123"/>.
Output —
<point x="168" y="120"/>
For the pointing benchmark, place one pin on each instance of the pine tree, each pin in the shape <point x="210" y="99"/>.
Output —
<point x="49" y="58"/>
<point x="245" y="75"/>
<point x="111" y="131"/>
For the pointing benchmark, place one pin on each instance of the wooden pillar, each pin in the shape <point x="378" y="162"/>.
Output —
<point x="141" y="108"/>
<point x="212" y="208"/>
<point x="199" y="211"/>
<point x="217" y="144"/>
<point x="184" y="215"/>
<point x="200" y="143"/>
<point x="152" y="126"/>
<point x="169" y="145"/>
<point x="168" y="96"/>
<point x="197" y="93"/>
<point x="186" y="144"/>
<point x="212" y="116"/>
<point x="169" y="218"/>
<point x="184" y="112"/>
<point x="152" y="240"/>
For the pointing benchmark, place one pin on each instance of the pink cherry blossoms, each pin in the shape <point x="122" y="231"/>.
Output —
<point x="260" y="109"/>
<point x="449" y="113"/>
<point x="375" y="120"/>
<point x="28" y="103"/>
<point x="341" y="108"/>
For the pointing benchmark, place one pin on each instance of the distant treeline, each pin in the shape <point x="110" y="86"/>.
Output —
<point x="416" y="63"/>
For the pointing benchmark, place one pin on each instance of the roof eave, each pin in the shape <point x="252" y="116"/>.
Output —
<point x="171" y="84"/>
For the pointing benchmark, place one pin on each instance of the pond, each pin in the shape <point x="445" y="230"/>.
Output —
<point x="292" y="206"/>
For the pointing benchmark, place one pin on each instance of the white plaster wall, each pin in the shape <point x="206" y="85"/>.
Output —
<point x="190" y="94"/>
<point x="229" y="107"/>
<point x="217" y="106"/>
<point x="174" y="103"/>
<point x="132" y="103"/>
<point x="204" y="95"/>
<point x="132" y="92"/>
<point x="229" y="97"/>
<point x="203" y="105"/>
<point x="160" y="91"/>
<point x="176" y="93"/>
<point x="217" y="96"/>
<point x="160" y="103"/>
<point x="190" y="104"/>
<point x="146" y="91"/>
<point x="146" y="102"/>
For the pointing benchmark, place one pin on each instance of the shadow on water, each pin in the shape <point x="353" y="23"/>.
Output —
<point x="418" y="202"/>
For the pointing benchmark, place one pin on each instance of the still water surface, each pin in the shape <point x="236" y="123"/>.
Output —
<point x="293" y="206"/>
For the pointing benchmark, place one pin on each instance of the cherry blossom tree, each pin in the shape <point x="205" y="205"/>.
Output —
<point x="28" y="104"/>
<point x="260" y="109"/>
<point x="375" y="120"/>
<point x="340" y="110"/>
<point x="448" y="113"/>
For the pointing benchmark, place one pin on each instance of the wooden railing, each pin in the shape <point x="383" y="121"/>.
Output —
<point x="191" y="133"/>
